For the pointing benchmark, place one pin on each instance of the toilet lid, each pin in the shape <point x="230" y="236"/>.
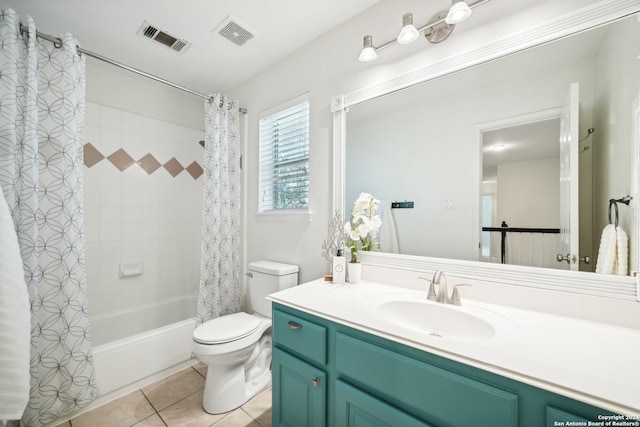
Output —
<point x="226" y="328"/>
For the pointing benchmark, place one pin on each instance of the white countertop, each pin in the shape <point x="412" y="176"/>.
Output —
<point x="595" y="363"/>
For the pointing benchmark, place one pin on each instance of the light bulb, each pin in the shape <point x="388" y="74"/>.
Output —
<point x="368" y="52"/>
<point x="408" y="33"/>
<point x="459" y="11"/>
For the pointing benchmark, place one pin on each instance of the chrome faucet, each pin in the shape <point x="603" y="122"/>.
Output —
<point x="442" y="296"/>
<point x="440" y="280"/>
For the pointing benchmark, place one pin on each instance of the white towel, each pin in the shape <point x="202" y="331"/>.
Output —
<point x="388" y="233"/>
<point x="622" y="253"/>
<point x="15" y="322"/>
<point x="613" y="253"/>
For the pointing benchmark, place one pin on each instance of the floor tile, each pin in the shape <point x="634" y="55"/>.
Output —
<point x="153" y="421"/>
<point x="189" y="413"/>
<point x="202" y="368"/>
<point x="175" y="387"/>
<point x="124" y="411"/>
<point x="260" y="407"/>
<point x="64" y="424"/>
<point x="237" y="418"/>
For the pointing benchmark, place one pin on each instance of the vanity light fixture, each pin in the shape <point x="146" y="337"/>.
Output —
<point x="368" y="51"/>
<point x="498" y="147"/>
<point x="409" y="32"/>
<point x="436" y="30"/>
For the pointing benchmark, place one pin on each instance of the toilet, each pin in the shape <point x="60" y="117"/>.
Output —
<point x="237" y="347"/>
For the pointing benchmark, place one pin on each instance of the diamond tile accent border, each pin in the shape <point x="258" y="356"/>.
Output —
<point x="122" y="160"/>
<point x="91" y="155"/>
<point x="173" y="167"/>
<point x="195" y="170"/>
<point x="149" y="163"/>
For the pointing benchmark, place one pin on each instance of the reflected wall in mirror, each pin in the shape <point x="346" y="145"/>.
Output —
<point x="425" y="144"/>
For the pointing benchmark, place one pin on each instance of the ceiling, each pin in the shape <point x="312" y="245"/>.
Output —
<point x="525" y="142"/>
<point x="212" y="63"/>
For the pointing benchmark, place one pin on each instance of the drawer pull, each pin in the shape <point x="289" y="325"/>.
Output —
<point x="315" y="382"/>
<point x="293" y="325"/>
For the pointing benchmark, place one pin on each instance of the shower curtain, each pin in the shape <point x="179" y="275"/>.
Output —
<point x="41" y="135"/>
<point x="220" y="243"/>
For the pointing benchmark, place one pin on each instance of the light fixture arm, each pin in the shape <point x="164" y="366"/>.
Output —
<point x="427" y="26"/>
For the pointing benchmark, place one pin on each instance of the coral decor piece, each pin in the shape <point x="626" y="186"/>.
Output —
<point x="333" y="242"/>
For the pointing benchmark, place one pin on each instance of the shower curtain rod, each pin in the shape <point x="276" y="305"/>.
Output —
<point x="57" y="42"/>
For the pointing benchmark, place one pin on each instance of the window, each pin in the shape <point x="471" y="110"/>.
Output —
<point x="284" y="157"/>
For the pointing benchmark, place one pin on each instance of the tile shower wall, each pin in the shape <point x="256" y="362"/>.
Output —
<point x="143" y="197"/>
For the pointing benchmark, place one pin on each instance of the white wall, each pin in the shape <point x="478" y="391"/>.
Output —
<point x="327" y="67"/>
<point x="134" y="216"/>
<point x="612" y="141"/>
<point x="529" y="194"/>
<point x="111" y="86"/>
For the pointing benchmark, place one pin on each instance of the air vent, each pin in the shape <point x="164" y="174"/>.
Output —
<point x="154" y="33"/>
<point x="232" y="31"/>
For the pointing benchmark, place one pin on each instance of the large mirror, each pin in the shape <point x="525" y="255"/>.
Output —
<point x="480" y="149"/>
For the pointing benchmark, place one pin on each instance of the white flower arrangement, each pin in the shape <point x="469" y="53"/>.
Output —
<point x="362" y="229"/>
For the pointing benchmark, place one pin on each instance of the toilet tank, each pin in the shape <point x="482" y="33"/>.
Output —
<point x="267" y="277"/>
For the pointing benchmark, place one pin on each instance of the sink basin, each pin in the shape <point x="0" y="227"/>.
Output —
<point x="436" y="319"/>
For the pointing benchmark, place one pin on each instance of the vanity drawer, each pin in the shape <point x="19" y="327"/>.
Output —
<point x="450" y="398"/>
<point x="302" y="337"/>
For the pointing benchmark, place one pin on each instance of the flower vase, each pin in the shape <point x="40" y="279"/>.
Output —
<point x="354" y="272"/>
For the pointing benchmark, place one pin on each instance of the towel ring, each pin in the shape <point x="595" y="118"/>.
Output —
<point x="626" y="200"/>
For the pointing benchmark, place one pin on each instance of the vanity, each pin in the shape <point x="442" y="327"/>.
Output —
<point x="371" y="354"/>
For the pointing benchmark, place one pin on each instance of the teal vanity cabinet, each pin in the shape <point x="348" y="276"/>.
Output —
<point x="328" y="374"/>
<point x="299" y="373"/>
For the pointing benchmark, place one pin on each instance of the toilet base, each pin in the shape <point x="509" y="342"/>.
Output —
<point x="227" y="389"/>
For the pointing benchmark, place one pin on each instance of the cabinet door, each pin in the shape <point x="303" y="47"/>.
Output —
<point x="299" y="392"/>
<point x="355" y="408"/>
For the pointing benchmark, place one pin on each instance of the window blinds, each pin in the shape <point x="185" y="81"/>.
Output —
<point x="284" y="159"/>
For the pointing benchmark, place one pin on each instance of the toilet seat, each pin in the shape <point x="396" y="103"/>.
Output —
<point x="227" y="328"/>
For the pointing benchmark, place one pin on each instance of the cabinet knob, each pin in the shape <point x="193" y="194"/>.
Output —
<point x="293" y="325"/>
<point x="315" y="382"/>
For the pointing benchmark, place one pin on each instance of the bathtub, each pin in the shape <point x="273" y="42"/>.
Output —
<point x="121" y="324"/>
<point x="147" y="340"/>
<point x="126" y="364"/>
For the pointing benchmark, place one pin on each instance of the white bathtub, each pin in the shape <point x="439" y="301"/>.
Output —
<point x="129" y="361"/>
<point x="121" y="324"/>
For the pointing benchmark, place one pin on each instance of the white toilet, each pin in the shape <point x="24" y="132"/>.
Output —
<point x="237" y="347"/>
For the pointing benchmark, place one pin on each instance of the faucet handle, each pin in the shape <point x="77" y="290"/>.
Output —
<point x="431" y="294"/>
<point x="455" y="295"/>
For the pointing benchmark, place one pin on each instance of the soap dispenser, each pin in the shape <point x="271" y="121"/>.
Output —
<point x="339" y="268"/>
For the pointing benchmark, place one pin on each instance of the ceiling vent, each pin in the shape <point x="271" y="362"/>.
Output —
<point x="154" y="33"/>
<point x="232" y="31"/>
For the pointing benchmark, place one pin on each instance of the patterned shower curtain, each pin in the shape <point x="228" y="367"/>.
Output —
<point x="220" y="245"/>
<point x="41" y="135"/>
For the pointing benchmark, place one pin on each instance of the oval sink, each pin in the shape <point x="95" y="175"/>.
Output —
<point x="436" y="319"/>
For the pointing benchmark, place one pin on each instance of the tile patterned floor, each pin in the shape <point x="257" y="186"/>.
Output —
<point x="174" y="401"/>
